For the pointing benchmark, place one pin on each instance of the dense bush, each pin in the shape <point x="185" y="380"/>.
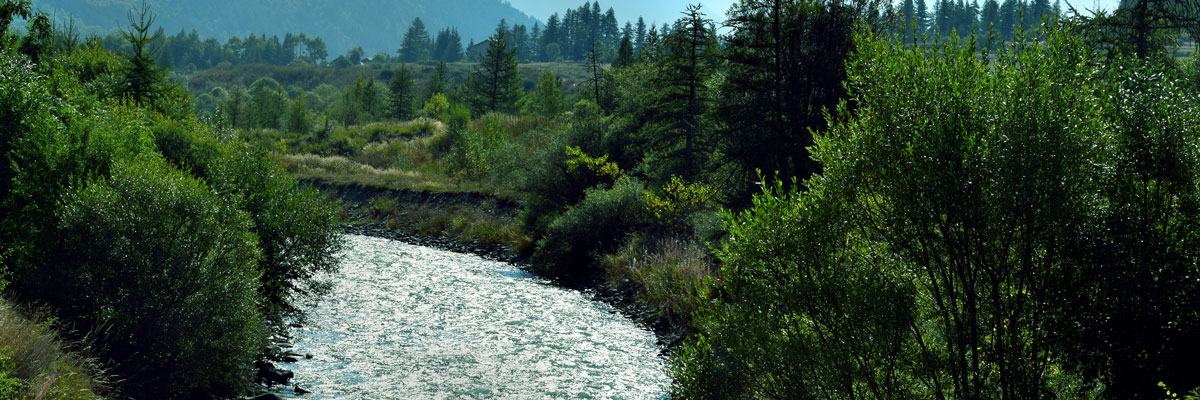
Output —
<point x="1019" y="224"/>
<point x="166" y="272"/>
<point x="175" y="267"/>
<point x="597" y="224"/>
<point x="296" y="227"/>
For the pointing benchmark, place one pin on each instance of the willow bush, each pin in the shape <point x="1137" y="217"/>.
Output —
<point x="1016" y="222"/>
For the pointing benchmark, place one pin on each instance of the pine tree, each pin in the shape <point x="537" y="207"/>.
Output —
<point x="400" y="102"/>
<point x="989" y="17"/>
<point x="437" y="82"/>
<point x="535" y="42"/>
<point x="785" y="65"/>
<point x="519" y="39"/>
<point x="415" y="47"/>
<point x="687" y="62"/>
<point x="496" y="81"/>
<point x="548" y="98"/>
<point x="624" y="53"/>
<point x="297" y="120"/>
<point x="640" y="40"/>
<point x="551" y="35"/>
<point x="143" y="73"/>
<point x="922" y="16"/>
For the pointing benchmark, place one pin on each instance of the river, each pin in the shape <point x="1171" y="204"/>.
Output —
<point x="411" y="322"/>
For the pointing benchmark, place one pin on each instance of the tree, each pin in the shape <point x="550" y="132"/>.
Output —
<point x="519" y="40"/>
<point x="415" y="47"/>
<point x="989" y="18"/>
<point x="923" y="19"/>
<point x="786" y="64"/>
<point x="640" y="40"/>
<point x="625" y="56"/>
<point x="267" y="104"/>
<point x="142" y="75"/>
<point x="298" y="120"/>
<point x="400" y="103"/>
<point x="234" y="107"/>
<point x="1010" y="17"/>
<point x="683" y="69"/>
<point x="548" y="98"/>
<point x="1143" y="28"/>
<point x="11" y="10"/>
<point x="38" y="39"/>
<point x="496" y="81"/>
<point x="437" y="82"/>
<point x="448" y="46"/>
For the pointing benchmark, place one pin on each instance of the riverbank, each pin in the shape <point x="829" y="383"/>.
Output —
<point x="35" y="362"/>
<point x="465" y="222"/>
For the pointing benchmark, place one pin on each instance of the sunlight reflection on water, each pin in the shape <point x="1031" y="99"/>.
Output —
<point x="406" y="321"/>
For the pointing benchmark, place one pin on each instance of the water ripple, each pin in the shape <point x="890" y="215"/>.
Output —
<point x="408" y="322"/>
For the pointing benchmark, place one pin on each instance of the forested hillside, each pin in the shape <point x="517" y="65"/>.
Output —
<point x="377" y="25"/>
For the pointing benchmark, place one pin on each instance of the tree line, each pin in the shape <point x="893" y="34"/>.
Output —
<point x="1004" y="18"/>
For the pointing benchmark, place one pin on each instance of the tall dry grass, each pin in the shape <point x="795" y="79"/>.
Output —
<point x="45" y="364"/>
<point x="670" y="274"/>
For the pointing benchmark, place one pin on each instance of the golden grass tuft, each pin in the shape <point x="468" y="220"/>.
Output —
<point x="40" y="359"/>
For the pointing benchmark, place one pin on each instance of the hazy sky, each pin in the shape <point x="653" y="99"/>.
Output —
<point x="659" y="11"/>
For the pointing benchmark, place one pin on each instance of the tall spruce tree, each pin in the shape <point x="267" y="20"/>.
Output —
<point x="142" y="74"/>
<point x="686" y="64"/>
<point x="415" y="47"/>
<point x="437" y="82"/>
<point x="496" y="81"/>
<point x="786" y="63"/>
<point x="400" y="101"/>
<point x="624" y="53"/>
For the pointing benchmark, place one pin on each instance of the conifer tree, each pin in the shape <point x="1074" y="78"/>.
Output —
<point x="686" y="63"/>
<point x="400" y="102"/>
<point x="624" y="54"/>
<point x="437" y="82"/>
<point x="143" y="72"/>
<point x="786" y="60"/>
<point x="298" y="120"/>
<point x="416" y="43"/>
<point x="496" y="81"/>
<point x="548" y="98"/>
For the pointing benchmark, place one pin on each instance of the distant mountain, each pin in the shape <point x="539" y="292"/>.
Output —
<point x="376" y="25"/>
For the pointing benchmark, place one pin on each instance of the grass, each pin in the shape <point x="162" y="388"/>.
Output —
<point x="343" y="171"/>
<point x="465" y="223"/>
<point x="38" y="360"/>
<point x="672" y="274"/>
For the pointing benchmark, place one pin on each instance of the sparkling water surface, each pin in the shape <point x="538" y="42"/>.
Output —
<point x="411" y="322"/>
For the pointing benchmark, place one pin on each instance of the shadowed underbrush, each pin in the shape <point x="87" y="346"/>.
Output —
<point x="36" y="363"/>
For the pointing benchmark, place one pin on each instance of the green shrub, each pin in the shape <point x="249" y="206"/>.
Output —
<point x="296" y="227"/>
<point x="669" y="274"/>
<point x="10" y="386"/>
<point x="166" y="272"/>
<point x="598" y="224"/>
<point x="1017" y="224"/>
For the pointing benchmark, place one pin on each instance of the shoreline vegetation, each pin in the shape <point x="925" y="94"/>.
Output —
<point x="36" y="362"/>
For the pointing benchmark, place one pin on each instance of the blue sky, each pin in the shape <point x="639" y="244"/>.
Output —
<point x="661" y="11"/>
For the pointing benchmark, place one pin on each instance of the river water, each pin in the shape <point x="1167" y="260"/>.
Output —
<point x="411" y="322"/>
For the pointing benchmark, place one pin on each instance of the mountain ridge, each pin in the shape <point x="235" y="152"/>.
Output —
<point x="376" y="25"/>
